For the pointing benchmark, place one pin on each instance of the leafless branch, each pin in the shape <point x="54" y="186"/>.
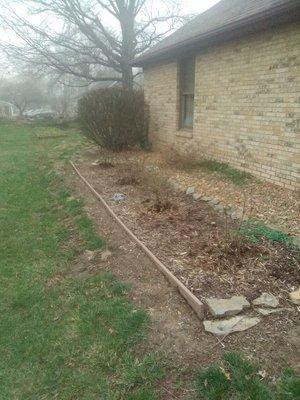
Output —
<point x="72" y="37"/>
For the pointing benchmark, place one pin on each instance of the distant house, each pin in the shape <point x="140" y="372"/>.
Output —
<point x="6" y="109"/>
<point x="227" y="85"/>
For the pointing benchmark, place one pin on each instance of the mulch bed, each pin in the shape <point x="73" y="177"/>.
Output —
<point x="191" y="239"/>
<point x="274" y="205"/>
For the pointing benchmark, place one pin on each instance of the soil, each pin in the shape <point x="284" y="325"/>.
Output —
<point x="276" y="206"/>
<point x="190" y="239"/>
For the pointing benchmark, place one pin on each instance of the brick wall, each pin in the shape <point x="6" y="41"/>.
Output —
<point x="247" y="105"/>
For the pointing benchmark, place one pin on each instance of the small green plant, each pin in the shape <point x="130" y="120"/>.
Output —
<point x="239" y="178"/>
<point x="255" y="231"/>
<point x="190" y="160"/>
<point x="237" y="378"/>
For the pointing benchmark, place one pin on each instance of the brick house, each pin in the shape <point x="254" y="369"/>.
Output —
<point x="227" y="85"/>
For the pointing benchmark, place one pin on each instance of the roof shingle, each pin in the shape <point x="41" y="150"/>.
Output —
<point x="225" y="14"/>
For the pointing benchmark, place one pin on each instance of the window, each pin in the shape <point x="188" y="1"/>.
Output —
<point x="187" y="88"/>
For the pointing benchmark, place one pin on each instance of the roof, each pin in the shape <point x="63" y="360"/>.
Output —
<point x="227" y="16"/>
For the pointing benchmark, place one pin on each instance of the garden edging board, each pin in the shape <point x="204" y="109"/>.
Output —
<point x="191" y="299"/>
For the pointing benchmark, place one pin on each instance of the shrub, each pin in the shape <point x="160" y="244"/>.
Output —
<point x="116" y="119"/>
<point x="160" y="189"/>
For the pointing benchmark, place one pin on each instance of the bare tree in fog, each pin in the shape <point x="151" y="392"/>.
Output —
<point x="76" y="37"/>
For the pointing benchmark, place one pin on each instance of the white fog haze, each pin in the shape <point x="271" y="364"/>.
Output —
<point x="45" y="47"/>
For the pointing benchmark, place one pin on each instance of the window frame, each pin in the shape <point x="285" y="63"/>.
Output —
<point x="185" y="94"/>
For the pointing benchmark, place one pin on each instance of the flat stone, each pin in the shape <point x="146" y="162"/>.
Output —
<point x="227" y="307"/>
<point x="228" y="326"/>
<point x="219" y="208"/>
<point x="190" y="190"/>
<point x="266" y="299"/>
<point x="118" y="197"/>
<point x="205" y="198"/>
<point x="295" y="297"/>
<point x="265" y="311"/>
<point x="214" y="202"/>
<point x="228" y="210"/>
<point x="235" y="215"/>
<point x="197" y="196"/>
<point x="105" y="255"/>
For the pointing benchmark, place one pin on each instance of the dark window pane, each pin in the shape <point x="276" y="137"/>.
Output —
<point x="187" y="87"/>
<point x="188" y="111"/>
<point x="188" y="76"/>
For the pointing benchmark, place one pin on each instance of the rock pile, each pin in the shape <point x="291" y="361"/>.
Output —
<point x="222" y="308"/>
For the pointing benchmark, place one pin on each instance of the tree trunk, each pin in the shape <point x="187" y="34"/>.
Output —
<point x="127" y="77"/>
<point x="20" y="109"/>
<point x="128" y="39"/>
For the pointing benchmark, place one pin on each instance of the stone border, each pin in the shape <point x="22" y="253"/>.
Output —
<point x="234" y="213"/>
<point x="191" y="299"/>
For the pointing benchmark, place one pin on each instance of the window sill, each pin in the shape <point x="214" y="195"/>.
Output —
<point x="185" y="133"/>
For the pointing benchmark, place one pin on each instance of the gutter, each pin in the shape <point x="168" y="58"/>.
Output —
<point x="285" y="12"/>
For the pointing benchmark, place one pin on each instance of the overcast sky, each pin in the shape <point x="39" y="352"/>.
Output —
<point x="188" y="7"/>
<point x="197" y="6"/>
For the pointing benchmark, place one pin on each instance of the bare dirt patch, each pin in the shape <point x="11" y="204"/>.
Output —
<point x="175" y="331"/>
<point x="189" y="238"/>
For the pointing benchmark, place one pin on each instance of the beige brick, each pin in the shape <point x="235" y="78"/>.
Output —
<point x="243" y="96"/>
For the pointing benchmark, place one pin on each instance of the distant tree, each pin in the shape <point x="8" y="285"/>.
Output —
<point x="23" y="92"/>
<point x="63" y="93"/>
<point x="91" y="39"/>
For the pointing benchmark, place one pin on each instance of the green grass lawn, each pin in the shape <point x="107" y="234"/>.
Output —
<point x="72" y="338"/>
<point x="235" y="378"/>
<point x="61" y="337"/>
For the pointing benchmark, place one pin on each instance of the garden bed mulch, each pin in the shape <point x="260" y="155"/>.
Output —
<point x="190" y="238"/>
<point x="274" y="205"/>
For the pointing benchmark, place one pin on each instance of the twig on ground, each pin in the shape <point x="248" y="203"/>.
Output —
<point x="168" y="391"/>
<point x="220" y="341"/>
